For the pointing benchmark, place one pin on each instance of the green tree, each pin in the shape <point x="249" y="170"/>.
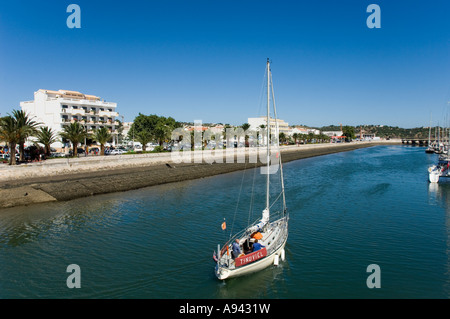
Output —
<point x="46" y="136"/>
<point x="163" y="129"/>
<point x="310" y="137"/>
<point x="282" y="137"/>
<point x="154" y="126"/>
<point x="348" y="132"/>
<point x="295" y="136"/>
<point x="75" y="133"/>
<point x="245" y="127"/>
<point x="144" y="137"/>
<point x="26" y="127"/>
<point x="102" y="136"/>
<point x="9" y="134"/>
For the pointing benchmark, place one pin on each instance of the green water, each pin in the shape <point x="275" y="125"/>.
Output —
<point x="347" y="211"/>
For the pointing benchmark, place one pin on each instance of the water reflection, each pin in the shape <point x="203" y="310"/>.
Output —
<point x="439" y="194"/>
<point x="19" y="226"/>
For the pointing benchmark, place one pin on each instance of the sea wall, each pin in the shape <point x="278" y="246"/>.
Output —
<point x="65" y="179"/>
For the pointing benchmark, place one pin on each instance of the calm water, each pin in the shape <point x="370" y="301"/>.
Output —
<point x="348" y="210"/>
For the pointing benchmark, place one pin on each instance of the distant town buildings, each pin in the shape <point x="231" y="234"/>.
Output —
<point x="58" y="108"/>
<point x="256" y="122"/>
<point x="302" y="130"/>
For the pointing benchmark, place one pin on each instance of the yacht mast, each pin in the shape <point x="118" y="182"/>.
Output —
<point x="429" y="134"/>
<point x="268" y="135"/>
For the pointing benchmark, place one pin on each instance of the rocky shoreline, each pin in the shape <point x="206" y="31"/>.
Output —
<point x="63" y="187"/>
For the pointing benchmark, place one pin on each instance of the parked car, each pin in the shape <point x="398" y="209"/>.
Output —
<point x="6" y="156"/>
<point x="80" y="151"/>
<point x="58" y="154"/>
<point x="116" y="152"/>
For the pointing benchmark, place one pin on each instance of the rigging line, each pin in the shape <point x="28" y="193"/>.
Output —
<point x="278" y="146"/>
<point x="250" y="212"/>
<point x="239" y="197"/>
<point x="263" y="85"/>
<point x="276" y="199"/>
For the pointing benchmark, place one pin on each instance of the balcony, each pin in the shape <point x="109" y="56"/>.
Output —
<point x="65" y="100"/>
<point x="107" y="113"/>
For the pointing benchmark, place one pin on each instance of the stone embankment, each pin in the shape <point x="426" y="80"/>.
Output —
<point x="65" y="179"/>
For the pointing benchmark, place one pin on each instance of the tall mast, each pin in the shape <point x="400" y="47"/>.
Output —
<point x="429" y="134"/>
<point x="268" y="134"/>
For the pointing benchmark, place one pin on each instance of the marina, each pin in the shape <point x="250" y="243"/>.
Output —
<point x="347" y="210"/>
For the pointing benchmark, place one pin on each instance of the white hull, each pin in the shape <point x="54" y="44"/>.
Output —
<point x="274" y="239"/>
<point x="433" y="177"/>
<point x="223" y="273"/>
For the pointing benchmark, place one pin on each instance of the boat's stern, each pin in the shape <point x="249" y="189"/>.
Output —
<point x="433" y="174"/>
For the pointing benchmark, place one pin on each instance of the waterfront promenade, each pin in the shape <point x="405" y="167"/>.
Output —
<point x="69" y="178"/>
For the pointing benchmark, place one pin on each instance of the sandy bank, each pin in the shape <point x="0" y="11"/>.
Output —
<point x="65" y="179"/>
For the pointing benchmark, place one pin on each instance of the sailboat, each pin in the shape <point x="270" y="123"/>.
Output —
<point x="430" y="148"/>
<point x="442" y="168"/>
<point x="261" y="244"/>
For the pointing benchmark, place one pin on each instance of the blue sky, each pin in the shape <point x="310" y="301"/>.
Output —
<point x="205" y="60"/>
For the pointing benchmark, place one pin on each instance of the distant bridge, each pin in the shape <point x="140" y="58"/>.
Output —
<point x="418" y="141"/>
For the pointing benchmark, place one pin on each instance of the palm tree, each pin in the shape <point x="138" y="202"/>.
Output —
<point x="310" y="136"/>
<point x="282" y="137"/>
<point x="102" y="136"/>
<point x="26" y="127"/>
<point x="144" y="137"/>
<point x="46" y="136"/>
<point x="9" y="133"/>
<point x="162" y="132"/>
<point x="245" y="127"/>
<point x="295" y="136"/>
<point x="75" y="133"/>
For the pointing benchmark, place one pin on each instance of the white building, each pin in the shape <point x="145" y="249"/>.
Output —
<point x="333" y="133"/>
<point x="256" y="122"/>
<point x="58" y="108"/>
<point x="126" y="128"/>
<point x="298" y="130"/>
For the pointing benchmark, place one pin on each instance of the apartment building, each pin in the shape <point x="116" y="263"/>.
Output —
<point x="58" y="108"/>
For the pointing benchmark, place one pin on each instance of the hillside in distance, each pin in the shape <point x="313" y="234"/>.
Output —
<point x="385" y="131"/>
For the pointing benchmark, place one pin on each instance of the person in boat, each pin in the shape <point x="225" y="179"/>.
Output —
<point x="247" y="246"/>
<point x="257" y="246"/>
<point x="236" y="248"/>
